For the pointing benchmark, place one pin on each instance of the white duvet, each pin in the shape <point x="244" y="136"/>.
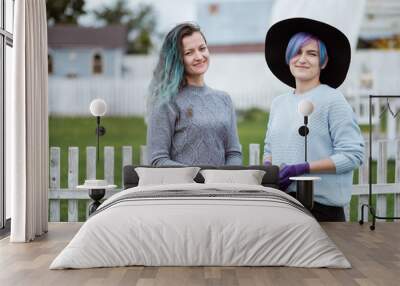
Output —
<point x="183" y="231"/>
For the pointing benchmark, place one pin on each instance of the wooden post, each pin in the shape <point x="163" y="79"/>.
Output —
<point x="381" y="204"/>
<point x="143" y="155"/>
<point x="91" y="160"/>
<point x="397" y="179"/>
<point x="126" y="160"/>
<point x="363" y="179"/>
<point x="54" y="182"/>
<point x="363" y="174"/>
<point x="73" y="171"/>
<point x="254" y="154"/>
<point x="347" y="212"/>
<point x="109" y="164"/>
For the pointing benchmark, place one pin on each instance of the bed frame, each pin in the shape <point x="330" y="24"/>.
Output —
<point x="270" y="179"/>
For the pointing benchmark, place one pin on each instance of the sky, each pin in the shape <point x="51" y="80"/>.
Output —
<point x="169" y="12"/>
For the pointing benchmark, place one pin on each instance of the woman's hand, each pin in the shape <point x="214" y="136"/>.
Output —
<point x="291" y="171"/>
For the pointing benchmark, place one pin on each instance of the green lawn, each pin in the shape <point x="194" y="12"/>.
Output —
<point x="123" y="131"/>
<point x="80" y="132"/>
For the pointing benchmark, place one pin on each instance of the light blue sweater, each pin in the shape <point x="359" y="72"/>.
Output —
<point x="334" y="133"/>
<point x="198" y="127"/>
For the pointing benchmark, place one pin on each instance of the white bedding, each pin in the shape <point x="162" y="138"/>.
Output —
<point x="181" y="231"/>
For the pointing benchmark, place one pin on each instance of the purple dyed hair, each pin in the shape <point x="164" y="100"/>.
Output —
<point x="297" y="41"/>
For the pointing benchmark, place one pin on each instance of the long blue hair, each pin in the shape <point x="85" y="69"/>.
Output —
<point x="169" y="74"/>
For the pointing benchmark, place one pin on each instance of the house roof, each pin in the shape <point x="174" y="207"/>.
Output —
<point x="68" y="36"/>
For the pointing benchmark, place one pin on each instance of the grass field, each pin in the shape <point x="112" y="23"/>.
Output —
<point x="123" y="131"/>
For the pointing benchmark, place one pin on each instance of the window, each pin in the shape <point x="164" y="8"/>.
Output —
<point x="50" y="63"/>
<point x="97" y="64"/>
<point x="72" y="56"/>
<point x="9" y="18"/>
<point x="213" y="9"/>
<point x="6" y="43"/>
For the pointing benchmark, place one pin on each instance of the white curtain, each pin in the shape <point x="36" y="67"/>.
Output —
<point x="27" y="123"/>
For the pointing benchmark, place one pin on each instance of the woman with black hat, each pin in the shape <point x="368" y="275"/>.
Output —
<point x="313" y="58"/>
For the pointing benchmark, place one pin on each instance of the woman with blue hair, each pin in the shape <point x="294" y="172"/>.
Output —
<point x="189" y="123"/>
<point x="313" y="58"/>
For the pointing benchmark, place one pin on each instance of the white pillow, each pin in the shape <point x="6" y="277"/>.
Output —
<point x="165" y="176"/>
<point x="248" y="177"/>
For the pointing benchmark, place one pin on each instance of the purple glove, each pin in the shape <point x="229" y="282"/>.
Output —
<point x="291" y="171"/>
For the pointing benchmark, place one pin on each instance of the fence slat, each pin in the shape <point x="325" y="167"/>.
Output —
<point x="143" y="155"/>
<point x="382" y="162"/>
<point x="91" y="158"/>
<point x="109" y="164"/>
<point x="397" y="179"/>
<point x="397" y="205"/>
<point x="126" y="160"/>
<point x="54" y="182"/>
<point x="70" y="194"/>
<point x="73" y="171"/>
<point x="363" y="174"/>
<point x="88" y="202"/>
<point x="381" y="189"/>
<point x="347" y="212"/>
<point x="91" y="162"/>
<point x="254" y="154"/>
<point x="381" y="205"/>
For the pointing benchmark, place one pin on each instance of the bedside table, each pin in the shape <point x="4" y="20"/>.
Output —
<point x="97" y="190"/>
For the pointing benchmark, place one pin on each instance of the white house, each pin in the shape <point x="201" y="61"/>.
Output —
<point x="84" y="52"/>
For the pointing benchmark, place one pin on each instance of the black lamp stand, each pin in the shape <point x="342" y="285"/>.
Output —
<point x="303" y="131"/>
<point x="370" y="207"/>
<point x="305" y="189"/>
<point x="100" y="131"/>
<point x="97" y="194"/>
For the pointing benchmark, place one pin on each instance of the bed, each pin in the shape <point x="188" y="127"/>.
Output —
<point x="201" y="224"/>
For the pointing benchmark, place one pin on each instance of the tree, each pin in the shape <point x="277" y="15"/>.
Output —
<point x="140" y="24"/>
<point x="64" y="11"/>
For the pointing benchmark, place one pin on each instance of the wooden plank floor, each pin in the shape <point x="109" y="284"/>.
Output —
<point x="374" y="255"/>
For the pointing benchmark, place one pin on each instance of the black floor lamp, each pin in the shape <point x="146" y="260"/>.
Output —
<point x="370" y="207"/>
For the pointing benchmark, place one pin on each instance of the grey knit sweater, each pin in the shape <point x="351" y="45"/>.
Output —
<point x="198" y="127"/>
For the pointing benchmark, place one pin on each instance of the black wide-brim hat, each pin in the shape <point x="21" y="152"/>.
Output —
<point x="337" y="46"/>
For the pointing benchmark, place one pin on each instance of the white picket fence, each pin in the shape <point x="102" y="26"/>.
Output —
<point x="381" y="189"/>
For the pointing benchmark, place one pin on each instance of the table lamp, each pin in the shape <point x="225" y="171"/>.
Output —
<point x="305" y="108"/>
<point x="304" y="185"/>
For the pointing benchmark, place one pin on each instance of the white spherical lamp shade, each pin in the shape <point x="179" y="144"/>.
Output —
<point x="98" y="107"/>
<point x="305" y="107"/>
